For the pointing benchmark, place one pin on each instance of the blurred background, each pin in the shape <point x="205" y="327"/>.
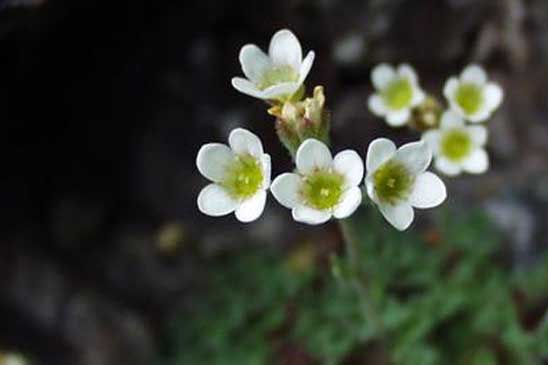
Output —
<point x="105" y="259"/>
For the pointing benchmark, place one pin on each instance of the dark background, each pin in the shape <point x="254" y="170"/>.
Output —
<point x="103" y="106"/>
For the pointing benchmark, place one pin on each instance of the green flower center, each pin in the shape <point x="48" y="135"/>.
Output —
<point x="469" y="97"/>
<point x="244" y="177"/>
<point x="322" y="189"/>
<point x="392" y="182"/>
<point x="398" y="94"/>
<point x="455" y="144"/>
<point x="277" y="75"/>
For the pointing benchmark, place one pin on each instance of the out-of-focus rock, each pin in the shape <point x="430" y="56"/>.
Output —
<point x="61" y="306"/>
<point x="519" y="224"/>
<point x="104" y="334"/>
<point x="349" y="49"/>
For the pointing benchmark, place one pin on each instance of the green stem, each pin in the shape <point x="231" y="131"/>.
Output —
<point x="356" y="278"/>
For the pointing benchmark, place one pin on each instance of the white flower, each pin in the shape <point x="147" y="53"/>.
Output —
<point x="323" y="186"/>
<point x="398" y="91"/>
<point x="277" y="75"/>
<point x="240" y="175"/>
<point x="458" y="147"/>
<point x="397" y="180"/>
<point x="471" y="95"/>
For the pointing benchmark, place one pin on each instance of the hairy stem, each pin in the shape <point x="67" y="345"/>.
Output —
<point x="356" y="278"/>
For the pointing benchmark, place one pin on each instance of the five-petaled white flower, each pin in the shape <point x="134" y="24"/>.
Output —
<point x="458" y="147"/>
<point x="277" y="75"/>
<point x="397" y="180"/>
<point x="398" y="91"/>
<point x="240" y="175"/>
<point x="471" y="95"/>
<point x="322" y="186"/>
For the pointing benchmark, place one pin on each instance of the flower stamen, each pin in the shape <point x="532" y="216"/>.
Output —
<point x="456" y="145"/>
<point x="469" y="97"/>
<point x="322" y="189"/>
<point x="398" y="94"/>
<point x="277" y="75"/>
<point x="244" y="177"/>
<point x="392" y="182"/>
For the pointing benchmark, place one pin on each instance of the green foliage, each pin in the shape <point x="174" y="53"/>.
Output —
<point x="441" y="298"/>
<point x="244" y="303"/>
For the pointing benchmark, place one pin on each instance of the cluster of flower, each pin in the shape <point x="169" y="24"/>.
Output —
<point x="457" y="147"/>
<point x="323" y="186"/>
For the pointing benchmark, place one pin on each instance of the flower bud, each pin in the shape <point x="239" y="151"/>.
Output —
<point x="288" y="135"/>
<point x="314" y="106"/>
<point x="298" y="121"/>
<point x="426" y="115"/>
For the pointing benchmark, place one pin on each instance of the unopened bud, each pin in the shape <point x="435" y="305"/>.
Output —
<point x="426" y="115"/>
<point x="298" y="121"/>
<point x="313" y="107"/>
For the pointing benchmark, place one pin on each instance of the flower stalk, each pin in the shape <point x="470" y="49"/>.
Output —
<point x="356" y="279"/>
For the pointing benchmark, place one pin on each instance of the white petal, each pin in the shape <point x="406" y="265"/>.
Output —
<point x="376" y="105"/>
<point x="450" y="87"/>
<point x="247" y="87"/>
<point x="432" y="138"/>
<point x="370" y="188"/>
<point x="400" y="216"/>
<point x="473" y="74"/>
<point x="350" y="201"/>
<point x="254" y="62"/>
<point x="243" y="141"/>
<point x="405" y="70"/>
<point x="378" y="152"/>
<point x="477" y="162"/>
<point x="398" y="118"/>
<point x="493" y="95"/>
<point x="267" y="170"/>
<point x="478" y="134"/>
<point x="213" y="200"/>
<point x="455" y="108"/>
<point x="481" y="115"/>
<point x="280" y="90"/>
<point x="418" y="96"/>
<point x="252" y="208"/>
<point x="304" y="214"/>
<point x="429" y="191"/>
<point x="349" y="164"/>
<point x="285" y="189"/>
<point x="446" y="166"/>
<point x="382" y="75"/>
<point x="285" y="49"/>
<point x="311" y="155"/>
<point x="450" y="120"/>
<point x="416" y="156"/>
<point x="212" y="160"/>
<point x="306" y="65"/>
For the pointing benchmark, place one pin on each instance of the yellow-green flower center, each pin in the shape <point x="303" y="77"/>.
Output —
<point x="277" y="75"/>
<point x="398" y="94"/>
<point x="469" y="97"/>
<point x="455" y="144"/>
<point x="392" y="182"/>
<point x="322" y="189"/>
<point x="244" y="177"/>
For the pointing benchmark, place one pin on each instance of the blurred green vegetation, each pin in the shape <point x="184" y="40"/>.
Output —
<point x="445" y="296"/>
